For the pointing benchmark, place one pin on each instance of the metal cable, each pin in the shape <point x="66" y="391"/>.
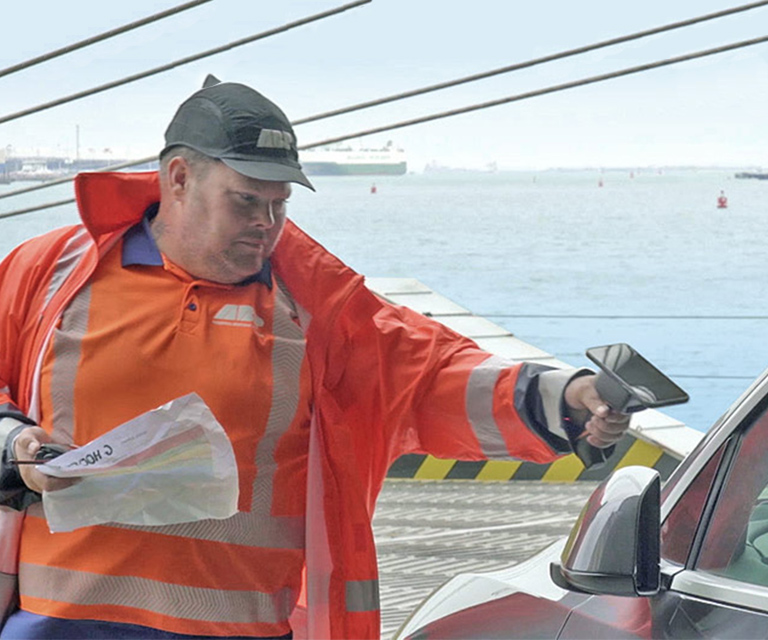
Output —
<point x="444" y="114"/>
<point x="182" y="61"/>
<point x="40" y="207"/>
<point x="100" y="37"/>
<point x="530" y="63"/>
<point x="393" y="97"/>
<point x="540" y="92"/>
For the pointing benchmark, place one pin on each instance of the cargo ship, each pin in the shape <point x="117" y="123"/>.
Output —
<point x="752" y="174"/>
<point x="347" y="161"/>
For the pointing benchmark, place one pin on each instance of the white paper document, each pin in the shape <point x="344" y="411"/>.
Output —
<point x="170" y="465"/>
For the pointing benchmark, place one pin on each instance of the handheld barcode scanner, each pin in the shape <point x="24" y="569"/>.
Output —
<point x="628" y="383"/>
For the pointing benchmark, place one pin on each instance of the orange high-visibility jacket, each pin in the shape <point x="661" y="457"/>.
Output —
<point x="385" y="381"/>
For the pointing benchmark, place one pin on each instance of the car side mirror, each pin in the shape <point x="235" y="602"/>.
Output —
<point x="613" y="548"/>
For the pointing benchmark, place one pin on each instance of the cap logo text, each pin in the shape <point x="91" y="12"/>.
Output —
<point x="275" y="139"/>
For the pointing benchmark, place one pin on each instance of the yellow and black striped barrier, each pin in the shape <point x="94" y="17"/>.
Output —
<point x="629" y="451"/>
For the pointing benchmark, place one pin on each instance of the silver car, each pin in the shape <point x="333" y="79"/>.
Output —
<point x="689" y="560"/>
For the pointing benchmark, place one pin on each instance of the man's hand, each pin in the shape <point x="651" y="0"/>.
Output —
<point x="604" y="426"/>
<point x="25" y="447"/>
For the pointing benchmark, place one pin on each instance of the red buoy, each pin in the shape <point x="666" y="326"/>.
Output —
<point x="373" y="188"/>
<point x="722" y="201"/>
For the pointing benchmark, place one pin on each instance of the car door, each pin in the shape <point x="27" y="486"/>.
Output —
<point x="714" y="544"/>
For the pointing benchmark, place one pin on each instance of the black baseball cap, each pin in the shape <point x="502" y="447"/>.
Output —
<point x="242" y="128"/>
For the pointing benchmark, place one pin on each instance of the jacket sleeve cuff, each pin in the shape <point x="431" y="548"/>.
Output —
<point x="10" y="410"/>
<point x="552" y="383"/>
<point x="9" y="472"/>
<point x="13" y="492"/>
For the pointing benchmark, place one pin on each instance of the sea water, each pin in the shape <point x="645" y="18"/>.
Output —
<point x="565" y="260"/>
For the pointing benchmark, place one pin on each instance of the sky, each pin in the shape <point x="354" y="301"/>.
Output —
<point x="708" y="112"/>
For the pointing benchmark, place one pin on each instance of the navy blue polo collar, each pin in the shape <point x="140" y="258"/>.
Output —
<point x="139" y="247"/>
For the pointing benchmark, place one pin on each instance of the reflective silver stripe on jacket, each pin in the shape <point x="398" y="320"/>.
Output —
<point x="67" y="348"/>
<point x="362" y="595"/>
<point x="288" y="353"/>
<point x="74" y="251"/>
<point x="480" y="392"/>
<point x="178" y="601"/>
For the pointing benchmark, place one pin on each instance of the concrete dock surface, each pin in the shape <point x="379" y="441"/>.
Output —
<point x="428" y="531"/>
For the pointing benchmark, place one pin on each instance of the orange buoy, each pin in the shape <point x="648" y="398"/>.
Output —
<point x="722" y="201"/>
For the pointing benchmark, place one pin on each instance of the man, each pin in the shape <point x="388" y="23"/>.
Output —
<point x="192" y="280"/>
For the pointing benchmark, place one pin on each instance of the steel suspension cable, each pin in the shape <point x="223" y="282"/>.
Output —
<point x="540" y="92"/>
<point x="40" y="207"/>
<point x="182" y="61"/>
<point x="100" y="37"/>
<point x="378" y="101"/>
<point x="530" y="63"/>
<point x="446" y="114"/>
<point x="435" y="116"/>
<point x="452" y="83"/>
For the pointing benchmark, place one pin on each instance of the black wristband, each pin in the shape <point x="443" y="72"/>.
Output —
<point x="13" y="492"/>
<point x="10" y="478"/>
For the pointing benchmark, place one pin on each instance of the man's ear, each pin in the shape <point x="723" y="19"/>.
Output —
<point x="179" y="173"/>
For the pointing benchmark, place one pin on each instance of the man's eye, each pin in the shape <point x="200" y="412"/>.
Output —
<point x="248" y="198"/>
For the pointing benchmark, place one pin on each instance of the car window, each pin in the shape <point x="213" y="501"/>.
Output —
<point x="736" y="541"/>
<point x="680" y="526"/>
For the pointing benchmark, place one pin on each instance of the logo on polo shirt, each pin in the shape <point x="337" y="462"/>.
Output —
<point x="238" y="315"/>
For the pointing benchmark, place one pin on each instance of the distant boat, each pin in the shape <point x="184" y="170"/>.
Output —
<point x="347" y="161"/>
<point x="36" y="170"/>
<point x="44" y="168"/>
<point x="752" y="174"/>
<point x="435" y="167"/>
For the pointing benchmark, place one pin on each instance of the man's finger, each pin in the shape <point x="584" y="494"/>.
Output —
<point x="616" y="418"/>
<point x="28" y="442"/>
<point x="606" y="432"/>
<point x="611" y="425"/>
<point x="599" y="408"/>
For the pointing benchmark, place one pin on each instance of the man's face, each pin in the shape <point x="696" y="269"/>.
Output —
<point x="229" y="223"/>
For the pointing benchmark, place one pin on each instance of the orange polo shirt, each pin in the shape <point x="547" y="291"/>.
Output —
<point x="141" y="333"/>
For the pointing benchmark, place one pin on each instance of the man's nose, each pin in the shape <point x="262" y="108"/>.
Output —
<point x="263" y="215"/>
